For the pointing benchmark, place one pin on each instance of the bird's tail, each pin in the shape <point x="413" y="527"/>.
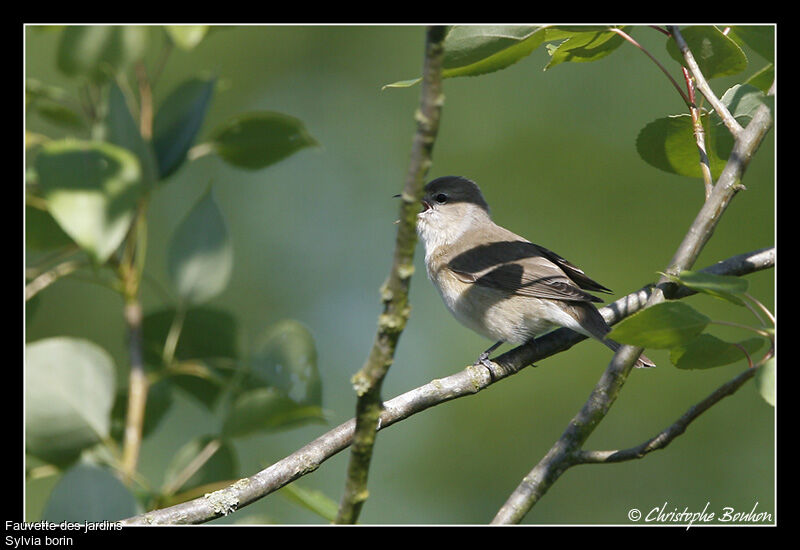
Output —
<point x="643" y="361"/>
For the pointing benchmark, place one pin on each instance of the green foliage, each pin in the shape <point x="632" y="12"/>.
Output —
<point x="177" y="122"/>
<point x="257" y="140"/>
<point x="474" y="50"/>
<point x="181" y="473"/>
<point x="91" y="189"/>
<point x="69" y="391"/>
<point x="661" y="326"/>
<point x="186" y="37"/>
<point x="88" y="493"/>
<point x="583" y="46"/>
<point x="715" y="53"/>
<point x="94" y="193"/>
<point x="200" y="254"/>
<point x="679" y="327"/>
<point x="766" y="382"/>
<point x="99" y="51"/>
<point x="122" y="130"/>
<point x="315" y="501"/>
<point x="668" y="144"/>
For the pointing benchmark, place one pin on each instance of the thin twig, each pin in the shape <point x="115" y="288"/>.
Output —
<point x="394" y="292"/>
<point x="137" y="391"/>
<point x="630" y="39"/>
<point x="672" y="431"/>
<point x="466" y="382"/>
<point x="699" y="135"/>
<point x="130" y="274"/>
<point x="193" y="466"/>
<point x="145" y="101"/>
<point x="561" y="455"/>
<point x="51" y="276"/>
<point x="700" y="81"/>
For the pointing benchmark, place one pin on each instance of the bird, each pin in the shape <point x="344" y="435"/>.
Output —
<point x="498" y="283"/>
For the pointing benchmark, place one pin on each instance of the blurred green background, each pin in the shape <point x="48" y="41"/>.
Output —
<point x="554" y="153"/>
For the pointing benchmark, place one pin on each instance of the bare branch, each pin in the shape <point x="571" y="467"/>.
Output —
<point x="700" y="81"/>
<point x="672" y="431"/>
<point x="469" y="381"/>
<point x="394" y="293"/>
<point x="562" y="454"/>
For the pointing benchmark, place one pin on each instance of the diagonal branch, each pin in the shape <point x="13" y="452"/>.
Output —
<point x="702" y="84"/>
<point x="394" y="293"/>
<point x="561" y="455"/>
<point x="672" y="431"/>
<point x="461" y="384"/>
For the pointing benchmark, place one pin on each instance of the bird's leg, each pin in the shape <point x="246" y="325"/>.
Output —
<point x="483" y="359"/>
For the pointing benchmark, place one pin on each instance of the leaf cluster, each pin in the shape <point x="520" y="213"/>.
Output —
<point x="86" y="197"/>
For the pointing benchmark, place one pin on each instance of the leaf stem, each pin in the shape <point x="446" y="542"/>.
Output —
<point x="675" y="84"/>
<point x="699" y="135"/>
<point x="733" y="126"/>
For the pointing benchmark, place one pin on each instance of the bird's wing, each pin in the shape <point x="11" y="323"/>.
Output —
<point x="525" y="269"/>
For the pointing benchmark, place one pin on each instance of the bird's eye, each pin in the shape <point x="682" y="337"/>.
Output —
<point x="441" y="198"/>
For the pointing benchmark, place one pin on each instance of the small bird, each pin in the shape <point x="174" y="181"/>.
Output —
<point x="497" y="283"/>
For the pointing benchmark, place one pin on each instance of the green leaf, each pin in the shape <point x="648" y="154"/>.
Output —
<point x="258" y="139"/>
<point x="472" y="50"/>
<point x="69" y="391"/>
<point x="200" y="254"/>
<point x="59" y="114"/>
<point x="669" y="145"/>
<point x="584" y="47"/>
<point x="715" y="53"/>
<point x="205" y="333"/>
<point x="101" y="50"/>
<point x="663" y="325"/>
<point x="42" y="232"/>
<point x="285" y="357"/>
<point x="766" y="382"/>
<point x="763" y="78"/>
<point x="87" y="493"/>
<point x="310" y="499"/>
<point x="741" y="100"/>
<point x="178" y="121"/>
<point x="91" y="189"/>
<point x="222" y="465"/>
<point x="123" y="130"/>
<point x="266" y="409"/>
<point x="726" y="287"/>
<point x="761" y="38"/>
<point x="707" y="351"/>
<point x="186" y="37"/>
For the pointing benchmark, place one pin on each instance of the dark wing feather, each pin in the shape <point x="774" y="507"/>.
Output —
<point x="525" y="269"/>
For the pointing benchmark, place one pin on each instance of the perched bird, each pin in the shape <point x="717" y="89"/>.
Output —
<point x="497" y="283"/>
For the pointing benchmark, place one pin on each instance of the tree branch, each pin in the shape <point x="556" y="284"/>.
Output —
<point x="700" y="81"/>
<point x="561" y="455"/>
<point x="672" y="431"/>
<point x="394" y="293"/>
<point x="469" y="381"/>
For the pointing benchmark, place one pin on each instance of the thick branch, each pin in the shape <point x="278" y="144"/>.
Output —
<point x="466" y="382"/>
<point x="394" y="293"/>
